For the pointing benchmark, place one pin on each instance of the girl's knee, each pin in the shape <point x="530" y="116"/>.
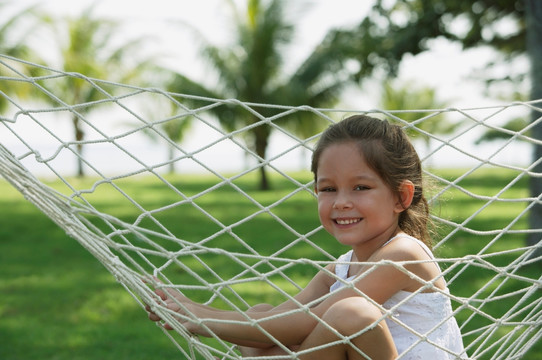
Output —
<point x="351" y="315"/>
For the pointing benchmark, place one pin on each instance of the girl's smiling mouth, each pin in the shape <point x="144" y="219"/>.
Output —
<point x="347" y="221"/>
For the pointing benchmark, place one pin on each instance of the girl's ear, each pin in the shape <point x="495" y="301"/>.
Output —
<point x="406" y="194"/>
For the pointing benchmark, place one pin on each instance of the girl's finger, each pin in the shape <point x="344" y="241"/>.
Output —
<point x="154" y="317"/>
<point x="161" y="293"/>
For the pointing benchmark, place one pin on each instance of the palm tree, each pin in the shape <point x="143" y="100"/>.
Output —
<point x="252" y="70"/>
<point x="13" y="43"/>
<point x="86" y="47"/>
<point x="174" y="130"/>
<point x="411" y="97"/>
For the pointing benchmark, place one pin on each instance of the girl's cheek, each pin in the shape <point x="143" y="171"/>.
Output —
<point x="323" y="208"/>
<point x="324" y="202"/>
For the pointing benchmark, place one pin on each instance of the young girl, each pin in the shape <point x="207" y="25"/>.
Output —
<point x="384" y="298"/>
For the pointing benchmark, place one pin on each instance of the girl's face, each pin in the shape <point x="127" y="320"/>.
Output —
<point x="354" y="204"/>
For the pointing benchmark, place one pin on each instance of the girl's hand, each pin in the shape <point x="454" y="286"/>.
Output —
<point x="177" y="302"/>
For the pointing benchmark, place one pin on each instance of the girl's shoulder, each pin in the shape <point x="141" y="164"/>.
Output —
<point x="327" y="275"/>
<point x="418" y="258"/>
<point x="403" y="247"/>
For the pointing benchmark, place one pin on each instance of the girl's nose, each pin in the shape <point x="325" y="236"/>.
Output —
<point x="342" y="201"/>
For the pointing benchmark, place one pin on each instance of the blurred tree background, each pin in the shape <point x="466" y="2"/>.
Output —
<point x="255" y="65"/>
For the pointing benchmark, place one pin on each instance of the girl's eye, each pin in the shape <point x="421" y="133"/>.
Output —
<point x="326" y="189"/>
<point x="361" y="187"/>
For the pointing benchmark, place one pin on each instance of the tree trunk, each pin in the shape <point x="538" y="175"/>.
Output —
<point x="79" y="136"/>
<point x="533" y="19"/>
<point x="171" y="154"/>
<point x="261" y="140"/>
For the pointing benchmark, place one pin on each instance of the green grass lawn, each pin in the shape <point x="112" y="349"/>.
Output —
<point x="58" y="302"/>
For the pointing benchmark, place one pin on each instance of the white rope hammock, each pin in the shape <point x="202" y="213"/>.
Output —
<point x="141" y="237"/>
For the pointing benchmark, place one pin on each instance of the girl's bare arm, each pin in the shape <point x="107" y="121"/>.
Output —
<point x="254" y="328"/>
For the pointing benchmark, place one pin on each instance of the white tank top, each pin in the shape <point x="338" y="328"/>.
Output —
<point x="422" y="324"/>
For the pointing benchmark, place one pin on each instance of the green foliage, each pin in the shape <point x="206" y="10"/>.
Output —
<point x="59" y="303"/>
<point x="418" y="103"/>
<point x="397" y="28"/>
<point x="13" y="43"/>
<point x="413" y="23"/>
<point x="513" y="126"/>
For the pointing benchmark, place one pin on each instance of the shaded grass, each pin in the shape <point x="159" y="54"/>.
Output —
<point x="58" y="302"/>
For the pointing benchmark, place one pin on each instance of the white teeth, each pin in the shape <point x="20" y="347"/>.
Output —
<point x="347" y="221"/>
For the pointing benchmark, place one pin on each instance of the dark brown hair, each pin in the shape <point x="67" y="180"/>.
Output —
<point x="388" y="151"/>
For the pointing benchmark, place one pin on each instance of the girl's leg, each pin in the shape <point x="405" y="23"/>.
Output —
<point x="348" y="317"/>
<point x="271" y="351"/>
